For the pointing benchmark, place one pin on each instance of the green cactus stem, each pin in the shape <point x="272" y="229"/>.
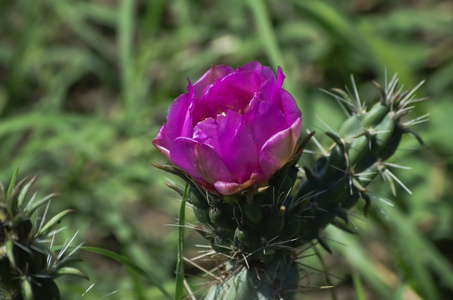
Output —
<point x="362" y="145"/>
<point x="276" y="280"/>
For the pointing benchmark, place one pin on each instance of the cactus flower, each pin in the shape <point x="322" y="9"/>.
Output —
<point x="233" y="128"/>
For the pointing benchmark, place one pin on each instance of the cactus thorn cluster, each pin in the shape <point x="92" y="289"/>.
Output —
<point x="29" y="262"/>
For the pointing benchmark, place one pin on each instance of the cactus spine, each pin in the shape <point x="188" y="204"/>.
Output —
<point x="259" y="231"/>
<point x="28" y="262"/>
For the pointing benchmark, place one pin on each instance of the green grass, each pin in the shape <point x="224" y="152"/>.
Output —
<point x="84" y="86"/>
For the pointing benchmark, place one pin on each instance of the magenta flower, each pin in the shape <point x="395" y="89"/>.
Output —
<point x="232" y="129"/>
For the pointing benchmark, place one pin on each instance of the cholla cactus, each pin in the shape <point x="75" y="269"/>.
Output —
<point x="28" y="262"/>
<point x="262" y="228"/>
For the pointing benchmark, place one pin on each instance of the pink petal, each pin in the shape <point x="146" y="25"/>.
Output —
<point x="233" y="92"/>
<point x="230" y="188"/>
<point x="218" y="133"/>
<point x="265" y="73"/>
<point x="288" y="106"/>
<point x="283" y="100"/>
<point x="279" y="149"/>
<point x="258" y="125"/>
<point x="199" y="160"/>
<point x="162" y="142"/>
<point x="214" y="73"/>
<point x="179" y="121"/>
<point x="280" y="77"/>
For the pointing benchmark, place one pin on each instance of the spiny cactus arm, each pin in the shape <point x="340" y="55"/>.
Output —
<point x="359" y="153"/>
<point x="28" y="265"/>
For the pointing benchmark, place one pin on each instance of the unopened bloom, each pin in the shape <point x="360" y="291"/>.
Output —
<point x="232" y="129"/>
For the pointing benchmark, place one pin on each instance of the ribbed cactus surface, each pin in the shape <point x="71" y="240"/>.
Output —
<point x="29" y="263"/>
<point x="277" y="279"/>
<point x="260" y="230"/>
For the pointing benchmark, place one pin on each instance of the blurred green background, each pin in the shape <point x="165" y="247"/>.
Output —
<point x="84" y="86"/>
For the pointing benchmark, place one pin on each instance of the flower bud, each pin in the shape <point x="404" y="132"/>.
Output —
<point x="233" y="129"/>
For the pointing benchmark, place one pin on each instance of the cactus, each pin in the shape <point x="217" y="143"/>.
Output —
<point x="261" y="230"/>
<point x="29" y="263"/>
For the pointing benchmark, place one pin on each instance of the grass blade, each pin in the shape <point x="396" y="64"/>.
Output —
<point x="180" y="260"/>
<point x="125" y="34"/>
<point x="130" y="264"/>
<point x="358" y="286"/>
<point x="266" y="32"/>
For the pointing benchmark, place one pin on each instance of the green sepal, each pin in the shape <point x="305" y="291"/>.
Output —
<point x="171" y="169"/>
<point x="248" y="238"/>
<point x="202" y="215"/>
<point x="175" y="187"/>
<point x="252" y="212"/>
<point x="222" y="216"/>
<point x="295" y="158"/>
<point x="196" y="198"/>
<point x="291" y="227"/>
<point x="273" y="223"/>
